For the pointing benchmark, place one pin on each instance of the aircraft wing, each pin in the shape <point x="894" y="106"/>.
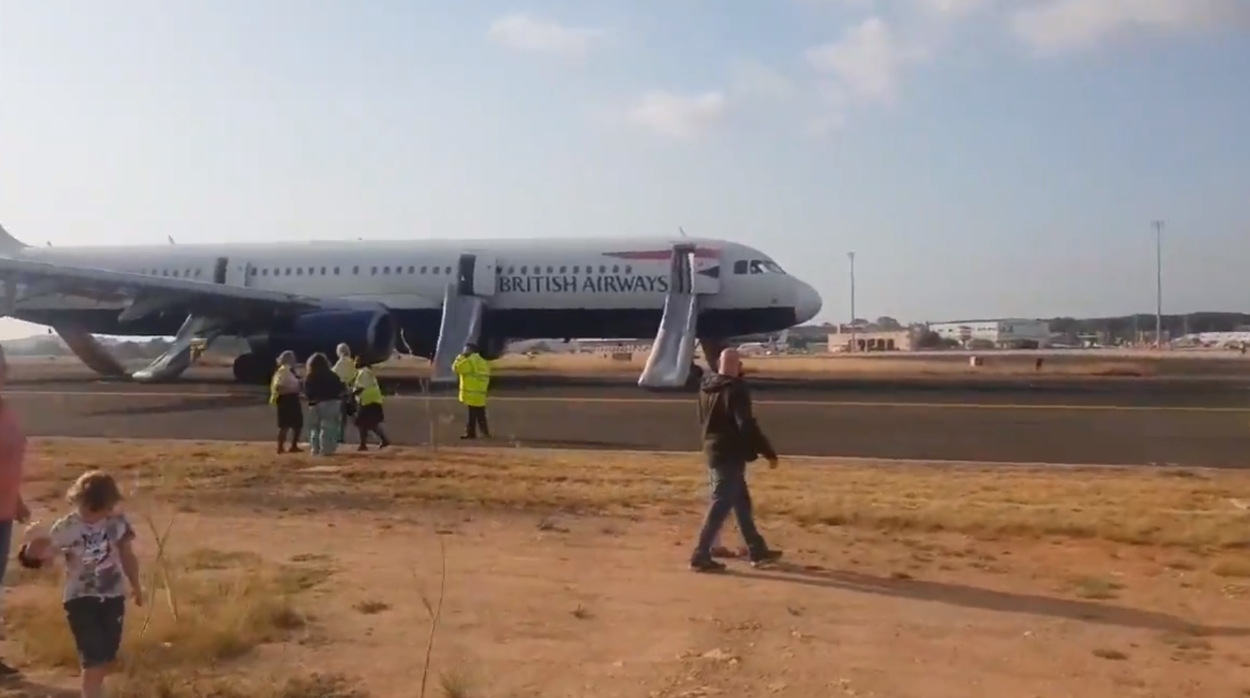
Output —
<point x="143" y="294"/>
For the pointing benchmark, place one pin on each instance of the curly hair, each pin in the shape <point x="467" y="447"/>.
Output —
<point x="95" y="491"/>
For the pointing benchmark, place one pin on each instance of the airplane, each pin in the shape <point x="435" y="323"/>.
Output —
<point x="773" y="345"/>
<point x="436" y="294"/>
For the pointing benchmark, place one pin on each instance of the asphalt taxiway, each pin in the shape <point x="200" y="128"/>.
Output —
<point x="1080" y="422"/>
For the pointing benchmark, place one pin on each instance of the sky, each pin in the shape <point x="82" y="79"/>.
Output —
<point x="982" y="158"/>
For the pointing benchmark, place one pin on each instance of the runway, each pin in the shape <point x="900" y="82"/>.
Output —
<point x="1094" y="425"/>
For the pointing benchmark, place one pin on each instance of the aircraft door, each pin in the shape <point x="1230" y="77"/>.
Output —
<point x="237" y="273"/>
<point x="219" y="270"/>
<point x="707" y="268"/>
<point x="485" y="276"/>
<point x="475" y="275"/>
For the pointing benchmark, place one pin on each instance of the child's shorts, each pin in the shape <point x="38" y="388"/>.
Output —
<point x="96" y="622"/>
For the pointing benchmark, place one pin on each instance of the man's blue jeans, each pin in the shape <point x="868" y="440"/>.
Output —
<point x="729" y="494"/>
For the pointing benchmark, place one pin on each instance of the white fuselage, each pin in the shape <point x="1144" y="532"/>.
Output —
<point x="524" y="275"/>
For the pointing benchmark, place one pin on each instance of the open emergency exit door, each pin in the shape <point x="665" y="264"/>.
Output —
<point x="232" y="272"/>
<point x="672" y="352"/>
<point x="476" y="275"/>
<point x="463" y="307"/>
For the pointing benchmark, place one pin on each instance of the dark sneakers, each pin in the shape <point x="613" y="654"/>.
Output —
<point x="764" y="557"/>
<point x="707" y="565"/>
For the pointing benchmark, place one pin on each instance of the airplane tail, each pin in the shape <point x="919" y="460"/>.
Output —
<point x="9" y="245"/>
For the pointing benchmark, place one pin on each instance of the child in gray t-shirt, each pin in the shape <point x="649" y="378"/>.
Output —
<point x="96" y="544"/>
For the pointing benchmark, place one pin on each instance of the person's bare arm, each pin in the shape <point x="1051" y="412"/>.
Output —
<point x="130" y="564"/>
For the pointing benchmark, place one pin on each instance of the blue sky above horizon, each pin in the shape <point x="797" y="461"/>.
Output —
<point x="982" y="157"/>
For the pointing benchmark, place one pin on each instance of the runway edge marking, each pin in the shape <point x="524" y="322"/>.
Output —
<point x="859" y="460"/>
<point x="662" y="401"/>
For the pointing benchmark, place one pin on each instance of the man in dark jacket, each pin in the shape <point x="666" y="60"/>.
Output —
<point x="731" y="439"/>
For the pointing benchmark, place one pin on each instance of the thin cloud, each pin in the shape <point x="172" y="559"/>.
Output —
<point x="867" y="60"/>
<point x="525" y="33"/>
<point x="678" y="115"/>
<point x="1065" y="25"/>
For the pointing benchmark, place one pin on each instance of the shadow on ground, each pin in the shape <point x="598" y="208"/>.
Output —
<point x="988" y="600"/>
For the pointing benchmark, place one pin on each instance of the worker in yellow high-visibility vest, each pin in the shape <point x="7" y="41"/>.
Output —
<point x="369" y="415"/>
<point x="345" y="369"/>
<point x="284" y="394"/>
<point x="474" y="373"/>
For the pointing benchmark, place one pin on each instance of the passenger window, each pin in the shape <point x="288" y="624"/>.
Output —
<point x="336" y="271"/>
<point x="511" y="270"/>
<point x="374" y="271"/>
<point x="412" y="270"/>
<point x="355" y="270"/>
<point x="424" y="269"/>
<point x="386" y="270"/>
<point x="447" y="269"/>
<point x="551" y="270"/>
<point x="523" y="269"/>
<point x="603" y="269"/>
<point x="175" y="273"/>
<point x="254" y="271"/>
<point x="323" y="271"/>
<point x="616" y="269"/>
<point x="740" y="266"/>
<point x="629" y="269"/>
<point x="299" y="271"/>
<point x="577" y="269"/>
<point x="197" y="273"/>
<point x="286" y="272"/>
<point x="435" y="270"/>
<point x="562" y="269"/>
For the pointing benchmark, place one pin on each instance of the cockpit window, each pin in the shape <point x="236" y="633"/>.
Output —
<point x="765" y="267"/>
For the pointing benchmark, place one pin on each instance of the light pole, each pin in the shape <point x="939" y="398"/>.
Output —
<point x="854" y="343"/>
<point x="1158" y="225"/>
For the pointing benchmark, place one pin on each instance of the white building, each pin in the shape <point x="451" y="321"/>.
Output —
<point x="1004" y="333"/>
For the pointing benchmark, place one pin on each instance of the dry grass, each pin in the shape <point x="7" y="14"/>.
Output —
<point x="203" y="608"/>
<point x="832" y="365"/>
<point x="1089" y="364"/>
<point x="223" y="612"/>
<point x="203" y="638"/>
<point x="1172" y="507"/>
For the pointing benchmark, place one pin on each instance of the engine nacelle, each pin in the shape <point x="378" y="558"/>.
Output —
<point x="369" y="332"/>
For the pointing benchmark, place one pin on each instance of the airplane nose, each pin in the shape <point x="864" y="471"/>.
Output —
<point x="807" y="303"/>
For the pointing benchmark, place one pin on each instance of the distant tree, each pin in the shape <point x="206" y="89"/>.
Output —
<point x="929" y="339"/>
<point x="888" y="324"/>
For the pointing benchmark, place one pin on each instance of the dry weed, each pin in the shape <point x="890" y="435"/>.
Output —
<point x="223" y="614"/>
<point x="995" y="364"/>
<point x="1123" y="505"/>
<point x="202" y="609"/>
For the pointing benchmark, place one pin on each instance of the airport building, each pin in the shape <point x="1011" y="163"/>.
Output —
<point x="872" y="341"/>
<point x="1008" y="333"/>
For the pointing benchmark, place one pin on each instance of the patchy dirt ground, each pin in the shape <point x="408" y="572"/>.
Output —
<point x="600" y="604"/>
